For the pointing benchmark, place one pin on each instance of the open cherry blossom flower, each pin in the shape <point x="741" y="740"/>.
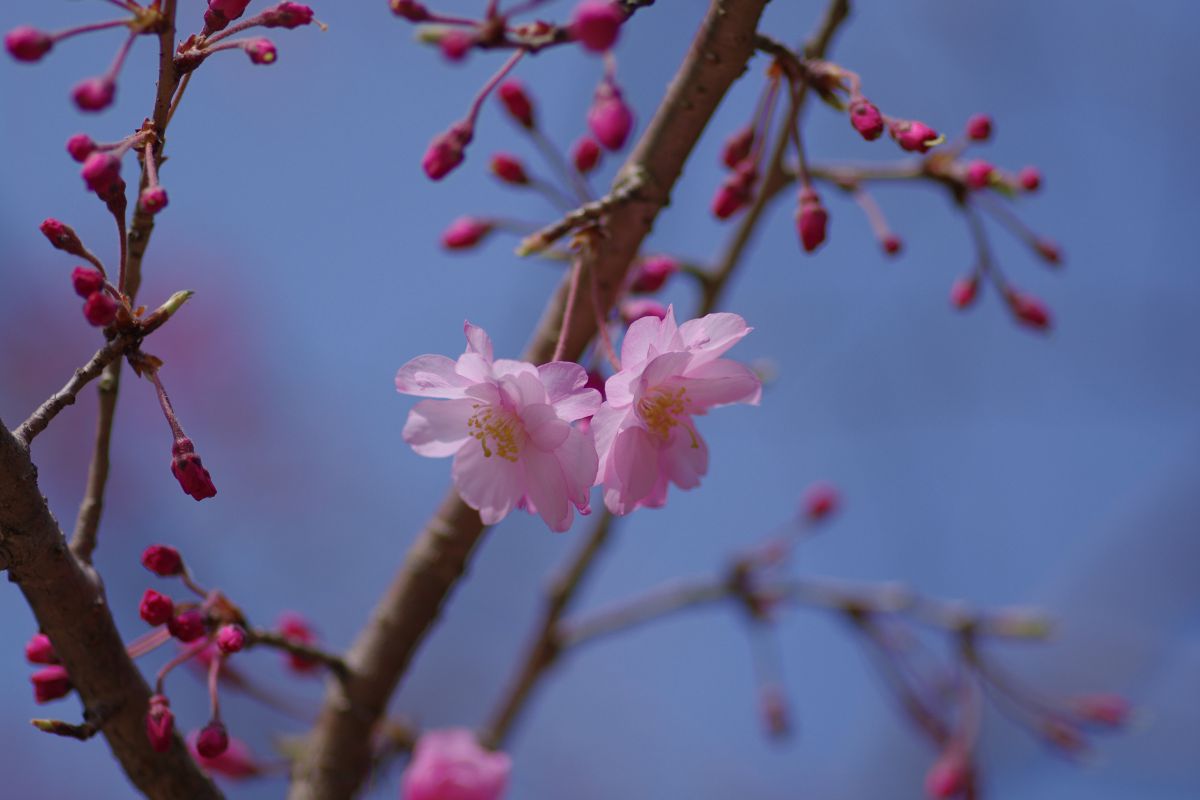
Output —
<point x="507" y="424"/>
<point x="645" y="434"/>
<point x="450" y="765"/>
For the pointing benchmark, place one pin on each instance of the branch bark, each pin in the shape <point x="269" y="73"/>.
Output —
<point x="71" y="609"/>
<point x="338" y="753"/>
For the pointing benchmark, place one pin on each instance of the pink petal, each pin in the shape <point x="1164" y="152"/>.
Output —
<point x="685" y="458"/>
<point x="548" y="488"/>
<point x="474" y="367"/>
<point x="438" y="428"/>
<point x="431" y="376"/>
<point x="606" y="423"/>
<point x="545" y="430"/>
<point x="478" y="341"/>
<point x="719" y="383"/>
<point x="489" y="484"/>
<point x="634" y="467"/>
<point x="508" y="366"/>
<point x="711" y="335"/>
<point x="661" y="369"/>
<point x="648" y="337"/>
<point x="579" y="462"/>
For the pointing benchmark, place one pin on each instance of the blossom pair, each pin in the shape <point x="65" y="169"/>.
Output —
<point x="508" y="424"/>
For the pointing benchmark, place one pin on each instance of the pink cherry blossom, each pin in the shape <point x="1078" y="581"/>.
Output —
<point x="507" y="424"/>
<point x="450" y="765"/>
<point x="645" y="434"/>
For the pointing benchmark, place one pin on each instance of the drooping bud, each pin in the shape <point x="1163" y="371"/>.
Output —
<point x="80" y="146"/>
<point x="509" y="169"/>
<point x="465" y="232"/>
<point x="156" y="609"/>
<point x="410" y="10"/>
<point x="231" y="639"/>
<point x="1048" y="250"/>
<point x="221" y="12"/>
<point x="455" y="43"/>
<point x="979" y="174"/>
<point x="585" y="155"/>
<point x="866" y="118"/>
<point x="609" y="119"/>
<point x="187" y="626"/>
<point x="27" y="43"/>
<point x="296" y="629"/>
<point x="162" y="560"/>
<point x="50" y="683"/>
<point x="261" y="50"/>
<point x="735" y="191"/>
<point x="811" y="219"/>
<point x="153" y="199"/>
<point x="949" y="775"/>
<point x="212" y="740"/>
<point x="1109" y="710"/>
<point x="99" y="309"/>
<point x="236" y="762"/>
<point x="916" y="137"/>
<point x="62" y="236"/>
<point x="94" y="94"/>
<point x="820" y="500"/>
<point x="1030" y="179"/>
<point x="773" y="707"/>
<point x="189" y="470"/>
<point x="101" y="171"/>
<point x="979" y="128"/>
<point x="517" y="101"/>
<point x="1028" y="310"/>
<point x="651" y="273"/>
<point x="964" y="291"/>
<point x="596" y="24"/>
<point x="86" y="281"/>
<point x="635" y="308"/>
<point x="287" y="15"/>
<point x="737" y="147"/>
<point x="446" y="151"/>
<point x="39" y="650"/>
<point x="892" y="244"/>
<point x="160" y="723"/>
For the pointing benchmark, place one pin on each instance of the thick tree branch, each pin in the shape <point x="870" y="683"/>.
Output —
<point x="338" y="753"/>
<point x="71" y="609"/>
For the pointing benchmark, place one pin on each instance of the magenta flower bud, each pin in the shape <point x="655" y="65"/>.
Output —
<point x="80" y="146"/>
<point x="979" y="174"/>
<point x="651" y="273"/>
<point x="160" y="723"/>
<point x="450" y="765"/>
<point x="964" y="291"/>
<point x="410" y="10"/>
<point x="190" y="472"/>
<point x="101" y="171"/>
<point x="635" y="308"/>
<point x="979" y="128"/>
<point x="153" y="199"/>
<point x="61" y="236"/>
<point x="737" y="147"/>
<point x="1030" y="179"/>
<point x="948" y="776"/>
<point x="287" y="15"/>
<point x="39" y="650"/>
<point x="892" y="244"/>
<point x="187" y="626"/>
<point x="773" y="708"/>
<point x="464" y="233"/>
<point x="1109" y="710"/>
<point x="1049" y="251"/>
<point x="509" y="169"/>
<point x="820" y="501"/>
<point x="609" y="119"/>
<point x="86" y="281"/>
<point x="261" y="51"/>
<point x="446" y="151"/>
<point x="455" y="44"/>
<point x="162" y="560"/>
<point x="50" y="683"/>
<point x="734" y="192"/>
<point x="213" y="740"/>
<point x="221" y="12"/>
<point x="94" y="94"/>
<point x="811" y="219"/>
<point x="866" y="119"/>
<point x="296" y="629"/>
<point x="156" y="609"/>
<point x="236" y="762"/>
<point x="99" y="309"/>
<point x="27" y="43"/>
<point x="596" y="24"/>
<point x="585" y="155"/>
<point x="517" y="102"/>
<point x="1028" y="310"/>
<point x="231" y="639"/>
<point x="916" y="137"/>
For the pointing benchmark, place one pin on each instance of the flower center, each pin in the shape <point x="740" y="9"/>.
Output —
<point x="662" y="410"/>
<point x="499" y="432"/>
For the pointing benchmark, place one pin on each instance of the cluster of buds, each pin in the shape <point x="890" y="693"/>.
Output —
<point x="100" y="302"/>
<point x="220" y="24"/>
<point x="51" y="681"/>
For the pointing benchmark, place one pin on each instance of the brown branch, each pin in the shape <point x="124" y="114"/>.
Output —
<point x="65" y="396"/>
<point x="71" y="609"/>
<point x="257" y="636"/>
<point x="543" y="651"/>
<point x="338" y="754"/>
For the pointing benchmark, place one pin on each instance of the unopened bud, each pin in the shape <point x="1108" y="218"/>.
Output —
<point x="866" y="119"/>
<point x="948" y="776"/>
<point x="94" y="94"/>
<point x="1028" y="310"/>
<point x="80" y="146"/>
<point x="979" y="174"/>
<point x="231" y="639"/>
<point x="28" y="44"/>
<point x="609" y="119"/>
<point x="964" y="291"/>
<point x="517" y="101"/>
<point x="465" y="232"/>
<point x="162" y="560"/>
<point x="596" y="24"/>
<point x="99" y="309"/>
<point x="39" y="650"/>
<point x="585" y="155"/>
<point x="1030" y="179"/>
<point x="1109" y="710"/>
<point x="651" y="273"/>
<point x="509" y="169"/>
<point x="261" y="51"/>
<point x="811" y="219"/>
<point x="190" y="472"/>
<point x="914" y="136"/>
<point x="635" y="308"/>
<point x="737" y="147"/>
<point x="160" y="723"/>
<point x="156" y="609"/>
<point x="187" y="626"/>
<point x="820" y="501"/>
<point x="979" y="128"/>
<point x="87" y="281"/>
<point x="735" y="191"/>
<point x="446" y="151"/>
<point x="212" y="740"/>
<point x="50" y="683"/>
<point x="153" y="199"/>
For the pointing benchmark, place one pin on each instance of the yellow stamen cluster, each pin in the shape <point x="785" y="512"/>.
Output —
<point x="501" y="428"/>
<point x="662" y="409"/>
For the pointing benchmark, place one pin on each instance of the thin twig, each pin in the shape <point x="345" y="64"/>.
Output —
<point x="65" y="396"/>
<point x="335" y="663"/>
<point x="581" y="217"/>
